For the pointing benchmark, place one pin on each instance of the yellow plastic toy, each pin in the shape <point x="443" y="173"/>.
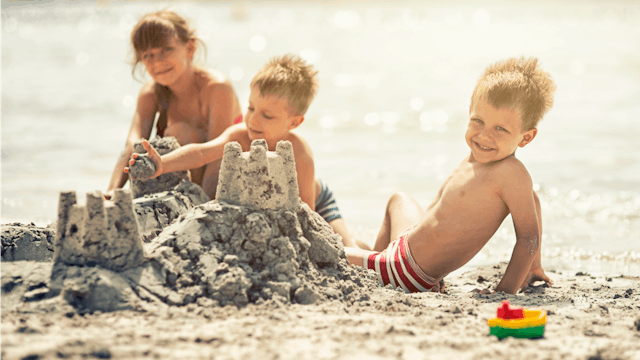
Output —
<point x="519" y="323"/>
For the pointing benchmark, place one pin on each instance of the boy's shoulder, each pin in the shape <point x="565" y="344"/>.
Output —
<point x="510" y="170"/>
<point x="301" y="147"/>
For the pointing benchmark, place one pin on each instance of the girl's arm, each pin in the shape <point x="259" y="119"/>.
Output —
<point x="140" y="128"/>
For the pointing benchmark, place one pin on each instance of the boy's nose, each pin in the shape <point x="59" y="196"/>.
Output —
<point x="484" y="135"/>
<point x="253" y="122"/>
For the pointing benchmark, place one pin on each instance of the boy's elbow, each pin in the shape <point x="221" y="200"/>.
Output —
<point x="532" y="242"/>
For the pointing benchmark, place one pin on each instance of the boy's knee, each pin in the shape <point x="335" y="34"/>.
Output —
<point x="399" y="197"/>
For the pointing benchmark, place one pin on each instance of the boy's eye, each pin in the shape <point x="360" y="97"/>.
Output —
<point x="267" y="116"/>
<point x="477" y="120"/>
<point x="249" y="108"/>
<point x="500" y="128"/>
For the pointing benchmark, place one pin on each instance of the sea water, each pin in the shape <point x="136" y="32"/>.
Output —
<point x="390" y="114"/>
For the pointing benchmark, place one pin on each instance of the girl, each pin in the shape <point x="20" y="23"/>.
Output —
<point x="195" y="105"/>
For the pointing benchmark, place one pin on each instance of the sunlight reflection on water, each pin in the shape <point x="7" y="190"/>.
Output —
<point x="390" y="114"/>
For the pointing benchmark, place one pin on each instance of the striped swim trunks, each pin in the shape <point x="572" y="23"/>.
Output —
<point x="397" y="267"/>
<point x="326" y="204"/>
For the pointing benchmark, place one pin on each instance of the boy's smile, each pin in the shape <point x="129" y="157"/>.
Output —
<point x="269" y="117"/>
<point x="494" y="134"/>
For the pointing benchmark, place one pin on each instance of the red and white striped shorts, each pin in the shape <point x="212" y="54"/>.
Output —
<point x="395" y="266"/>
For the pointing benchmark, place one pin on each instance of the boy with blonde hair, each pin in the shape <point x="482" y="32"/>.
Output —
<point x="416" y="249"/>
<point x="281" y="93"/>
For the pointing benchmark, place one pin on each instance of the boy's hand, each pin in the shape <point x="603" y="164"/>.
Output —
<point x="439" y="287"/>
<point x="145" y="166"/>
<point x="534" y="275"/>
<point x="483" y="291"/>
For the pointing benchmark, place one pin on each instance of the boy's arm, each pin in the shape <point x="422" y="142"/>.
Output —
<point x="306" y="174"/>
<point x="517" y="193"/>
<point x="186" y="157"/>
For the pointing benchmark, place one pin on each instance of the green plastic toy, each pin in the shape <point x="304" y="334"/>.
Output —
<point x="519" y="323"/>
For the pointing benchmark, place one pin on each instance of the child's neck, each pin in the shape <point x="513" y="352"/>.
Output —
<point x="182" y="87"/>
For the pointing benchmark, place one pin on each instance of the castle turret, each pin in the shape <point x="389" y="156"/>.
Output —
<point x="102" y="232"/>
<point x="259" y="179"/>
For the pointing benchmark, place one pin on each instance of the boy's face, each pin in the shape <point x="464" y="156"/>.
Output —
<point x="494" y="134"/>
<point x="269" y="117"/>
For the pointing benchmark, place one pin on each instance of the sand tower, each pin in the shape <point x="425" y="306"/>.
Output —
<point x="259" y="179"/>
<point x="101" y="232"/>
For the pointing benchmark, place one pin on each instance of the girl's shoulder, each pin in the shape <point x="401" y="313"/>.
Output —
<point x="214" y="85"/>
<point x="148" y="94"/>
<point x="212" y="79"/>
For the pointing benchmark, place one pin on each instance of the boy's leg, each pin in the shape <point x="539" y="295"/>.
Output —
<point x="402" y="212"/>
<point x="340" y="228"/>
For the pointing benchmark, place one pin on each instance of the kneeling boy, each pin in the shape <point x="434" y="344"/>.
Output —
<point x="281" y="93"/>
<point x="415" y="249"/>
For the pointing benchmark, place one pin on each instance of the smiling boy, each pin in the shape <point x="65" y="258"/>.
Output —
<point x="281" y="93"/>
<point x="415" y="249"/>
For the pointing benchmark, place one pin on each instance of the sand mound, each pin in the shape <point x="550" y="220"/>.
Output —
<point x="257" y="243"/>
<point x="27" y="242"/>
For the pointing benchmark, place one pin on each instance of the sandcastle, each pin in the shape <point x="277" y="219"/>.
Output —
<point x="259" y="179"/>
<point x="102" y="232"/>
<point x="257" y="242"/>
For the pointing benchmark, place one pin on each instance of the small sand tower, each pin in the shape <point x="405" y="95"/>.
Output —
<point x="259" y="179"/>
<point x="102" y="232"/>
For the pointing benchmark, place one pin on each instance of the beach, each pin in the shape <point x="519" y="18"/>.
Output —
<point x="589" y="317"/>
<point x="390" y="115"/>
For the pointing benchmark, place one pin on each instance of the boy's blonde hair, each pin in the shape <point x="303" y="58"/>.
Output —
<point x="519" y="84"/>
<point x="290" y="77"/>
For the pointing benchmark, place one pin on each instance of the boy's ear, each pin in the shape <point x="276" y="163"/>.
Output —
<point x="528" y="136"/>
<point x="296" y="121"/>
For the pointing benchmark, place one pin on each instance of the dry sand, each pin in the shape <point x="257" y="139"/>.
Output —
<point x="589" y="318"/>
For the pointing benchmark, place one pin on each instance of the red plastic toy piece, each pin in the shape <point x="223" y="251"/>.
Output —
<point x="506" y="312"/>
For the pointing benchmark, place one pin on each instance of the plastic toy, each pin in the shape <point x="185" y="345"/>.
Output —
<point x="518" y="322"/>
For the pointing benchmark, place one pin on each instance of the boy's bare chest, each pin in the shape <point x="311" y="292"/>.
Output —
<point x="470" y="187"/>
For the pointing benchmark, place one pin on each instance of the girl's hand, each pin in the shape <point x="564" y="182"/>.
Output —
<point x="145" y="166"/>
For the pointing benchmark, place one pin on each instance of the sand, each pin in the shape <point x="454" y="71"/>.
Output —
<point x="257" y="275"/>
<point x="589" y="318"/>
